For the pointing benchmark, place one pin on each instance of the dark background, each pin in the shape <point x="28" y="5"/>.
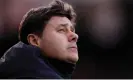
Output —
<point x="105" y="29"/>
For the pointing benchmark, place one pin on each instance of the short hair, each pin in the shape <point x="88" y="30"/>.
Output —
<point x="35" y="20"/>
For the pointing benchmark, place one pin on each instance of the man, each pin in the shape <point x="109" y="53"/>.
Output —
<point x="47" y="47"/>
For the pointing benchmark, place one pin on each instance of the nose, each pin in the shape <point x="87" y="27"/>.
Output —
<point x="72" y="36"/>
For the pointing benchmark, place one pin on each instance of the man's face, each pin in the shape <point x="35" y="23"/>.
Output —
<point x="59" y="40"/>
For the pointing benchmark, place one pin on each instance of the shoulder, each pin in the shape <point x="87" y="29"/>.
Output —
<point x="23" y="61"/>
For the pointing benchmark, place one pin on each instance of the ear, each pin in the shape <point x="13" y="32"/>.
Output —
<point x="33" y="39"/>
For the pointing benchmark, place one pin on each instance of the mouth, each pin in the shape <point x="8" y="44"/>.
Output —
<point x="73" y="49"/>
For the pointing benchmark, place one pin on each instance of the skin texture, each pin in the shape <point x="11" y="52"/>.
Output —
<point x="59" y="39"/>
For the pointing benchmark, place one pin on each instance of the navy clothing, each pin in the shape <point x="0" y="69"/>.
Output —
<point x="27" y="61"/>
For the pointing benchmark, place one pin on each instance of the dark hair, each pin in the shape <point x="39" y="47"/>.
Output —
<point x="34" y="20"/>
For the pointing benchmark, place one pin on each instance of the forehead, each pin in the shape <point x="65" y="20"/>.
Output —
<point x="57" y="20"/>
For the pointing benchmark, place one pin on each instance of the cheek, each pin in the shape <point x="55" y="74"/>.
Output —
<point x="57" y="39"/>
<point x="54" y="42"/>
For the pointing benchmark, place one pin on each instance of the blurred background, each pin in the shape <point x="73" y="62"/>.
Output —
<point x="105" y="29"/>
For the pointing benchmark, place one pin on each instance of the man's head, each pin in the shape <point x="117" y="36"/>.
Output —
<point x="51" y="29"/>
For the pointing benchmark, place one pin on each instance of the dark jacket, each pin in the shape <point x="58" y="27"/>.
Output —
<point x="27" y="61"/>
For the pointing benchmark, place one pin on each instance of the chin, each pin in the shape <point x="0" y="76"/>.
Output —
<point x="73" y="59"/>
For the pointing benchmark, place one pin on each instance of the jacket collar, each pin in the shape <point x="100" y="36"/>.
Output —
<point x="62" y="68"/>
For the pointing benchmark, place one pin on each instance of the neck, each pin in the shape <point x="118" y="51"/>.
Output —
<point x="63" y="68"/>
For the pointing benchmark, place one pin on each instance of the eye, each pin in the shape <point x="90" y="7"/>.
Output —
<point x="73" y="29"/>
<point x="61" y="30"/>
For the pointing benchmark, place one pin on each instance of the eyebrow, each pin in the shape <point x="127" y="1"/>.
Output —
<point x="66" y="25"/>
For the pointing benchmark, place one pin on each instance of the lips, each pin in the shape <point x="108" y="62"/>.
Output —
<point x="73" y="49"/>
